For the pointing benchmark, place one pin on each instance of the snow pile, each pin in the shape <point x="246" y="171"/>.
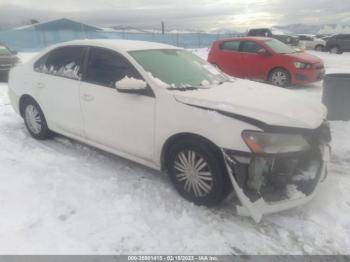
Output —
<point x="131" y="83"/>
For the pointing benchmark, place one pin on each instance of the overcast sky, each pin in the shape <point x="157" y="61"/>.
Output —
<point x="181" y="14"/>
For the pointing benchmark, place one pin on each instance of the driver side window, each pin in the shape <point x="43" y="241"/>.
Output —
<point x="106" y="67"/>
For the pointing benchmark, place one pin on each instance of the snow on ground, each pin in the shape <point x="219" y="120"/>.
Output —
<point x="62" y="197"/>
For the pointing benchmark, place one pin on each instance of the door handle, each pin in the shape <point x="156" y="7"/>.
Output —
<point x="40" y="85"/>
<point x="87" y="97"/>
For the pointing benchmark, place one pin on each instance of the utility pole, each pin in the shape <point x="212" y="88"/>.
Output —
<point x="163" y="28"/>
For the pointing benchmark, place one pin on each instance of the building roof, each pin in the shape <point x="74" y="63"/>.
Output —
<point x="59" y="24"/>
<point x="124" y="45"/>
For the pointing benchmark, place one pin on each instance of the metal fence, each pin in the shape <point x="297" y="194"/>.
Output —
<point x="32" y="40"/>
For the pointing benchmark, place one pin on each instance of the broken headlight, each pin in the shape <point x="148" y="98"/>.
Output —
<point x="274" y="143"/>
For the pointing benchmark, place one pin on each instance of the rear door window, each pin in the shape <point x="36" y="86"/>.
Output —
<point x="63" y="62"/>
<point x="250" y="47"/>
<point x="230" y="46"/>
<point x="106" y="67"/>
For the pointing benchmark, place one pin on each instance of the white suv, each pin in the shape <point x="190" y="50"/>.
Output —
<point x="165" y="108"/>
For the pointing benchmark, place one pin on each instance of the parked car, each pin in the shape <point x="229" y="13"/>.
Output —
<point x="265" y="59"/>
<point x="311" y="42"/>
<point x="166" y="108"/>
<point x="8" y="59"/>
<point x="338" y="44"/>
<point x="266" y="32"/>
<point x="322" y="36"/>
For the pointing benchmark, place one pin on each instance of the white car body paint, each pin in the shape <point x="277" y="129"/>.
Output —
<point x="312" y="43"/>
<point x="137" y="127"/>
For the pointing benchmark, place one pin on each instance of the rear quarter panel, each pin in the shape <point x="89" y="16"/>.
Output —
<point x="20" y="84"/>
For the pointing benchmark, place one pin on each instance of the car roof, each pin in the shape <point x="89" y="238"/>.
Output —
<point x="246" y="38"/>
<point x="119" y="44"/>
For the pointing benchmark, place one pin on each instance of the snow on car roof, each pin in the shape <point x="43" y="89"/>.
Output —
<point x="125" y="45"/>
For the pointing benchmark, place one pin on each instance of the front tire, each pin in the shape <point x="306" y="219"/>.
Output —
<point x="34" y="120"/>
<point x="280" y="77"/>
<point x="198" y="173"/>
<point x="319" y="48"/>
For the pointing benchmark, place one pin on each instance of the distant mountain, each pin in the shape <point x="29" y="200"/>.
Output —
<point x="132" y="29"/>
<point x="313" y="29"/>
<point x="301" y="28"/>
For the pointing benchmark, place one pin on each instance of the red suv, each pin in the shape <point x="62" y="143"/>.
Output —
<point x="265" y="59"/>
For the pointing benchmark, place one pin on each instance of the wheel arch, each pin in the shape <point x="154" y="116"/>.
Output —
<point x="319" y="45"/>
<point x="22" y="99"/>
<point x="277" y="67"/>
<point x="336" y="46"/>
<point x="183" y="136"/>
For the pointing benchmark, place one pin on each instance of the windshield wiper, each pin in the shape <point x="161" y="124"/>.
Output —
<point x="183" y="88"/>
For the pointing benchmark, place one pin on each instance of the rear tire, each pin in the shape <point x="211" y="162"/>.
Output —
<point x="198" y="172"/>
<point x="34" y="120"/>
<point x="280" y="77"/>
<point x="335" y="50"/>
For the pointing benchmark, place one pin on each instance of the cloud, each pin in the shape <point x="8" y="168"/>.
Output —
<point x="201" y="14"/>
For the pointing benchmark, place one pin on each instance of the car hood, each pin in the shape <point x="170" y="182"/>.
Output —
<point x="270" y="105"/>
<point x="305" y="57"/>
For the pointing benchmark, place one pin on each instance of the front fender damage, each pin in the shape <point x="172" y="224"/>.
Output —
<point x="260" y="203"/>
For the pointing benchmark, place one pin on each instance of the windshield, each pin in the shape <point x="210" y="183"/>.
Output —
<point x="4" y="51"/>
<point x="179" y="68"/>
<point x="279" y="47"/>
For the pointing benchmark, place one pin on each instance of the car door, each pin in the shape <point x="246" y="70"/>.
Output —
<point x="57" y="79"/>
<point x="344" y="42"/>
<point x="120" y="121"/>
<point x="230" y="58"/>
<point x="252" y="64"/>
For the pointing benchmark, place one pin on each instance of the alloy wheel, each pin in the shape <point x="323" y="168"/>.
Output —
<point x="279" y="78"/>
<point x="194" y="173"/>
<point x="33" y="119"/>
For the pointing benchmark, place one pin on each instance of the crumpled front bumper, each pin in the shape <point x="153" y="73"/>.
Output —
<point x="256" y="209"/>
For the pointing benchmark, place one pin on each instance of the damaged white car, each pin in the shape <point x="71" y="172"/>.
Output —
<point x="165" y="108"/>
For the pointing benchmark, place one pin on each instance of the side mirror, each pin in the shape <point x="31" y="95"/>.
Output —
<point x="131" y="86"/>
<point x="263" y="52"/>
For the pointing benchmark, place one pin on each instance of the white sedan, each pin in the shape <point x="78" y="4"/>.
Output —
<point x="167" y="109"/>
<point x="311" y="42"/>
